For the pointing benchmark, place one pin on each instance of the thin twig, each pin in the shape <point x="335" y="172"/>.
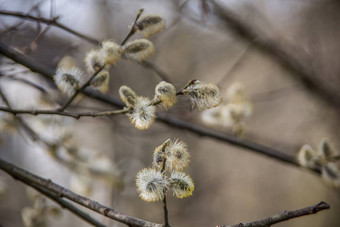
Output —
<point x="233" y="68"/>
<point x="53" y="22"/>
<point x="16" y="26"/>
<point x="165" y="210"/>
<point x="165" y="207"/>
<point x="34" y="180"/>
<point x="60" y="111"/>
<point x="63" y="113"/>
<point x="27" y="82"/>
<point x="283" y="216"/>
<point x="133" y="28"/>
<point x="33" y="44"/>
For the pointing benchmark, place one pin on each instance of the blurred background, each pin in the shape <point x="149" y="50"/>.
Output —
<point x="285" y="55"/>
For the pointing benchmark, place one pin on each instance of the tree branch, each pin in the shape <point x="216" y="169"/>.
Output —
<point x="67" y="114"/>
<point x="36" y="181"/>
<point x="165" y="118"/>
<point x="283" y="216"/>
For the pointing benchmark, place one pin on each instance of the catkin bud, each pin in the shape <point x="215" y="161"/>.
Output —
<point x="159" y="156"/>
<point x="326" y="151"/>
<point x="235" y="93"/>
<point x="203" y="95"/>
<point x="81" y="184"/>
<point x="128" y="96"/>
<point x="93" y="61"/>
<point x="239" y="111"/>
<point x="166" y="93"/>
<point x="238" y="129"/>
<point x="174" y="153"/>
<point x="110" y="52"/>
<point x="32" y="217"/>
<point x="331" y="174"/>
<point x="307" y="157"/>
<point x="181" y="185"/>
<point x="101" y="81"/>
<point x="143" y="113"/>
<point x="150" y="24"/>
<point x="69" y="79"/>
<point x="138" y="50"/>
<point x="151" y="185"/>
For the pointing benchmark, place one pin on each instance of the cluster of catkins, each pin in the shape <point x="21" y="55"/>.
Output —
<point x="37" y="214"/>
<point x="324" y="160"/>
<point x="142" y="109"/>
<point x="152" y="183"/>
<point x="233" y="113"/>
<point x="69" y="78"/>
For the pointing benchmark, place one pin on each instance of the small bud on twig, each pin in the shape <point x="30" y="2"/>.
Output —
<point x="139" y="50"/>
<point x="150" y="24"/>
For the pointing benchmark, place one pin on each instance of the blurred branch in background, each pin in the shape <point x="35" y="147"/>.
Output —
<point x="282" y="53"/>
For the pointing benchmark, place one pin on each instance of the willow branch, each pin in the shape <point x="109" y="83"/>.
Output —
<point x="60" y="111"/>
<point x="284" y="216"/>
<point x="165" y="118"/>
<point x="36" y="181"/>
<point x="64" y="113"/>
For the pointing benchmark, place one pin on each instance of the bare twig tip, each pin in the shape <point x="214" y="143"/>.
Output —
<point x="320" y="206"/>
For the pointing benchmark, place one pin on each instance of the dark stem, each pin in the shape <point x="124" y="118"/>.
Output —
<point x="133" y="28"/>
<point x="48" y="22"/>
<point x="165" y="118"/>
<point x="165" y="209"/>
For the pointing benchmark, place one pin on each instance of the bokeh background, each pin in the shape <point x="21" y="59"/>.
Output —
<point x="232" y="184"/>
